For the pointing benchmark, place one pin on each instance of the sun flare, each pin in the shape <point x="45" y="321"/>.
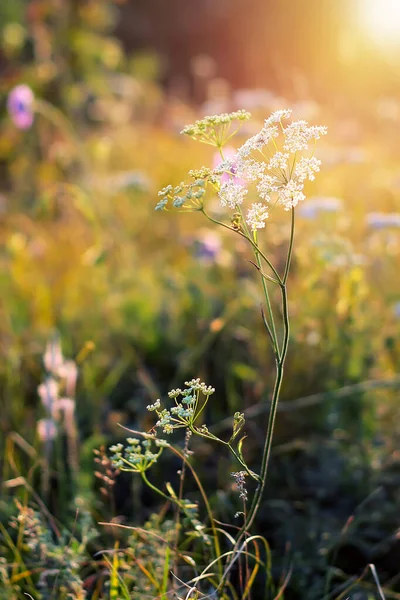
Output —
<point x="382" y="19"/>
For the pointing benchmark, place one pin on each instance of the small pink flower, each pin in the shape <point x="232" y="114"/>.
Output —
<point x="46" y="430"/>
<point x="20" y="106"/>
<point x="69" y="372"/>
<point x="53" y="358"/>
<point x="48" y="393"/>
<point x="229" y="155"/>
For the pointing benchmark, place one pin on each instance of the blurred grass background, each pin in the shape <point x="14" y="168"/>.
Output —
<point x="148" y="300"/>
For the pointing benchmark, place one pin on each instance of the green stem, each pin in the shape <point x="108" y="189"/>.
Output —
<point x="290" y="250"/>
<point x="217" y="546"/>
<point x="270" y="327"/>
<point x="277" y="387"/>
<point x="210" y="436"/>
<point x="158" y="491"/>
<point x="240" y="461"/>
<point x="255" y="247"/>
<point x="210" y="218"/>
<point x="252" y="513"/>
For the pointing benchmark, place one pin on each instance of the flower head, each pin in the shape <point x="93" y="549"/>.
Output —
<point x="298" y="134"/>
<point x="277" y="116"/>
<point x="291" y="194"/>
<point x="228" y="166"/>
<point x="258" y="141"/>
<point x="20" y="105"/>
<point x="231" y="194"/>
<point x="275" y="163"/>
<point x="214" y="130"/>
<point x="306" y="168"/>
<point x="46" y="430"/>
<point x="138" y="456"/>
<point x="257" y="215"/>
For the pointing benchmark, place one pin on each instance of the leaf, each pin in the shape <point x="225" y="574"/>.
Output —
<point x="238" y="424"/>
<point x="171" y="491"/>
<point x="239" y="448"/>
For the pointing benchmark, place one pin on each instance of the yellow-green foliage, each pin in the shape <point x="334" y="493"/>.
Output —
<point x="87" y="255"/>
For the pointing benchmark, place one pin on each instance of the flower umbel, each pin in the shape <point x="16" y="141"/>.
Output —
<point x="189" y="403"/>
<point x="257" y="215"/>
<point x="138" y="455"/>
<point x="216" y="130"/>
<point x="274" y="164"/>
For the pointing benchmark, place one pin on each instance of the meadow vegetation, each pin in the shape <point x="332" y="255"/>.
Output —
<point x="114" y="314"/>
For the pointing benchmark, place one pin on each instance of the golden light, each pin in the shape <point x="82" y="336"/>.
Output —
<point x="382" y="20"/>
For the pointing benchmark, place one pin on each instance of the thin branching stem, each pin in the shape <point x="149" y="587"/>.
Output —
<point x="251" y="242"/>
<point x="270" y="326"/>
<point x="280" y="362"/>
<point x="277" y="387"/>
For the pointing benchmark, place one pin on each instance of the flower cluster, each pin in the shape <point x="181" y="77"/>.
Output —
<point x="57" y="393"/>
<point x="270" y="160"/>
<point x="232" y="194"/>
<point x="189" y="403"/>
<point x="138" y="455"/>
<point x="273" y="162"/>
<point x="257" y="215"/>
<point x="240" y="482"/>
<point x="215" y="130"/>
<point x="188" y="195"/>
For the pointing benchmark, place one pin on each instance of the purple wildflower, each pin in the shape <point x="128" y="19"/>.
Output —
<point x="20" y="106"/>
<point x="208" y="245"/>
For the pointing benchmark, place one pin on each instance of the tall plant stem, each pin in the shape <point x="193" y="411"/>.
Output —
<point x="271" y="325"/>
<point x="277" y="387"/>
<point x="217" y="547"/>
<point x="280" y="363"/>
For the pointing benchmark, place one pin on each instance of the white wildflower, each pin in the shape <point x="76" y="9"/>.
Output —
<point x="267" y="185"/>
<point x="258" y="141"/>
<point x="250" y="169"/>
<point x="280" y="160"/>
<point x="155" y="406"/>
<point x="298" y="134"/>
<point x="306" y="168"/>
<point x="231" y="194"/>
<point x="160" y="443"/>
<point x="227" y="166"/>
<point x="257" y="215"/>
<point x="277" y="116"/>
<point x="291" y="194"/>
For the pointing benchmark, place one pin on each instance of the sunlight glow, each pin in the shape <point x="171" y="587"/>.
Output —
<point x="382" y="20"/>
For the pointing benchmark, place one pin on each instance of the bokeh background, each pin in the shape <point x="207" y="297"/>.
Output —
<point x="142" y="301"/>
